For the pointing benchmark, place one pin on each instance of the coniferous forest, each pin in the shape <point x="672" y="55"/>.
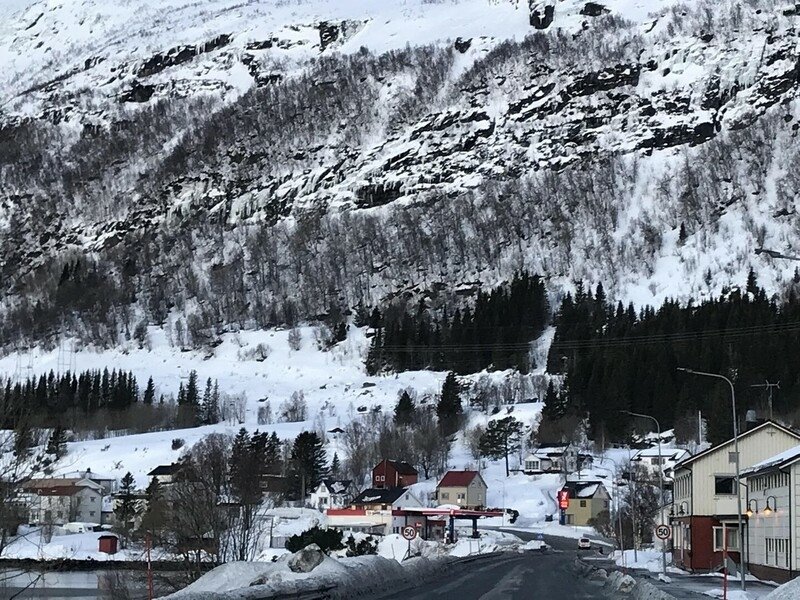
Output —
<point x="494" y="332"/>
<point x="616" y="358"/>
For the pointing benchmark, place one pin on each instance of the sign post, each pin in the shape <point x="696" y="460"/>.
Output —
<point x="409" y="532"/>
<point x="563" y="505"/>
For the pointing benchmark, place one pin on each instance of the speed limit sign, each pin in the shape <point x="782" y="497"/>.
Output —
<point x="409" y="532"/>
<point x="663" y="532"/>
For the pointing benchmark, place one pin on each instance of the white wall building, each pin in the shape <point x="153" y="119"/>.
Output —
<point x="704" y="509"/>
<point x="332" y="493"/>
<point x="552" y="458"/>
<point x="60" y="501"/>
<point x="773" y="508"/>
<point x="649" y="459"/>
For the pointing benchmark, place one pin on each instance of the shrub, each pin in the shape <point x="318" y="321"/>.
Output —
<point x="326" y="539"/>
<point x="178" y="443"/>
<point x="368" y="545"/>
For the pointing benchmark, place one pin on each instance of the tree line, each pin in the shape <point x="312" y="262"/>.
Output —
<point x="106" y="398"/>
<point x="616" y="358"/>
<point x="492" y="333"/>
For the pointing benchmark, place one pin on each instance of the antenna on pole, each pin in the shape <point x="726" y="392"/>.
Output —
<point x="769" y="387"/>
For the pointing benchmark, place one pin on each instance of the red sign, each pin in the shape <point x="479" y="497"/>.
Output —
<point x="563" y="499"/>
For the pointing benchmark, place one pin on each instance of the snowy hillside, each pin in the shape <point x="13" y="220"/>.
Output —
<point x="254" y="163"/>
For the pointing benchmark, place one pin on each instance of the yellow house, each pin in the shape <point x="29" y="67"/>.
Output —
<point x="587" y="499"/>
<point x="467" y="489"/>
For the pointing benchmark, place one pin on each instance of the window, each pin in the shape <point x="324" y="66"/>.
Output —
<point x="92" y="499"/>
<point x="445" y="495"/>
<point x="605" y="503"/>
<point x="732" y="534"/>
<point x="91" y="513"/>
<point x="462" y="496"/>
<point x="724" y="485"/>
<point x="583" y="503"/>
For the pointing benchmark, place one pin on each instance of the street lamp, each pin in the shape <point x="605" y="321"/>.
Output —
<point x="660" y="482"/>
<point x="736" y="452"/>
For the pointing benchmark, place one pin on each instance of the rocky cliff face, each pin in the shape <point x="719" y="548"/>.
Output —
<point x="250" y="127"/>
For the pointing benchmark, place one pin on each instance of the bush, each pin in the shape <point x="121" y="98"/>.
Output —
<point x="368" y="545"/>
<point x="178" y="443"/>
<point x="326" y="539"/>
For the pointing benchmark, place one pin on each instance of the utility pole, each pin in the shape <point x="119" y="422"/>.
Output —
<point x="769" y="387"/>
<point x="737" y="465"/>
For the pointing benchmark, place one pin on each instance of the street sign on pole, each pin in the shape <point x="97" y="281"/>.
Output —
<point x="663" y="532"/>
<point x="409" y="532"/>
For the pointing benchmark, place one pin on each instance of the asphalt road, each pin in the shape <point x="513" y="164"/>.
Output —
<point x="529" y="576"/>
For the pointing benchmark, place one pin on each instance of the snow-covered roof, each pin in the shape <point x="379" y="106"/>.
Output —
<point x="774" y="462"/>
<point x="670" y="453"/>
<point x="588" y="491"/>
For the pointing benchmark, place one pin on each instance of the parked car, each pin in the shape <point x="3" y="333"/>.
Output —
<point x="584" y="544"/>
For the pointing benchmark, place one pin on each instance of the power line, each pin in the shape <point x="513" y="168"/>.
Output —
<point x="609" y="342"/>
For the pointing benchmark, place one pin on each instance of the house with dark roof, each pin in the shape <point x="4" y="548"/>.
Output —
<point x="165" y="474"/>
<point x="58" y="501"/>
<point x="332" y="493"/>
<point x="390" y="474"/>
<point x="375" y="510"/>
<point x="467" y="489"/>
<point x="587" y="499"/>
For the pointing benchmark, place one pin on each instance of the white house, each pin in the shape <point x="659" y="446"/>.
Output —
<point x="372" y="511"/>
<point x="332" y="493"/>
<point x="62" y="500"/>
<point x="552" y="458"/>
<point x="704" y="507"/>
<point x="670" y="457"/>
<point x="773" y="510"/>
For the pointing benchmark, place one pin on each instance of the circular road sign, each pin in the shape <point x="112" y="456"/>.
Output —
<point x="663" y="532"/>
<point x="409" y="532"/>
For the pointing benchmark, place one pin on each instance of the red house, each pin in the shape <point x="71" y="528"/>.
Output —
<point x="389" y="474"/>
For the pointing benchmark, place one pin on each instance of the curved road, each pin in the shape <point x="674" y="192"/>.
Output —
<point x="528" y="576"/>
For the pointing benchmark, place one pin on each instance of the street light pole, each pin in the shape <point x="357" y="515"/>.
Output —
<point x="660" y="482"/>
<point x="738" y="477"/>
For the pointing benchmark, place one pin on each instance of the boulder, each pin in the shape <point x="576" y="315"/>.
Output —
<point x="307" y="559"/>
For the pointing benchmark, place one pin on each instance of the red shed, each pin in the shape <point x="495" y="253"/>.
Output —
<point x="108" y="544"/>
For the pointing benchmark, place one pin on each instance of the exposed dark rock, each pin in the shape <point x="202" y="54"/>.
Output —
<point x="463" y="45"/>
<point x="541" y="14"/>
<point x="378" y="194"/>
<point x="137" y="93"/>
<point x="593" y="9"/>
<point x="261" y="44"/>
<point x="179" y="55"/>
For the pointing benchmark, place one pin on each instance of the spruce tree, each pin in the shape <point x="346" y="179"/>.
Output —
<point x="404" y="410"/>
<point x="449" y="410"/>
<point x="149" y="392"/>
<point x="336" y="466"/>
<point x="57" y="444"/>
<point x="308" y="465"/>
<point x="125" y="509"/>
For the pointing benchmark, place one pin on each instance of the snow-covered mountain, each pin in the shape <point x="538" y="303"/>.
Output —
<point x="253" y="162"/>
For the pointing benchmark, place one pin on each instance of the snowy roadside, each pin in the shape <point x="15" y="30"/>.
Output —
<point x="347" y="577"/>
<point x="340" y="578"/>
